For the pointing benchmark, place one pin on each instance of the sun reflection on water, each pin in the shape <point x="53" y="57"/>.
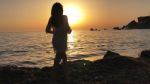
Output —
<point x="71" y="37"/>
<point x="71" y="40"/>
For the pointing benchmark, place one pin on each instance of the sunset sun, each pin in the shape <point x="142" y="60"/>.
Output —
<point x="74" y="15"/>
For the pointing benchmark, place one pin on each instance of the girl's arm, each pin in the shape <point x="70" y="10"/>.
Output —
<point x="49" y="27"/>
<point x="69" y="30"/>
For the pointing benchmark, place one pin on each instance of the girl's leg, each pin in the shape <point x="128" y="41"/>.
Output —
<point x="57" y="59"/>
<point x="64" y="62"/>
<point x="64" y="57"/>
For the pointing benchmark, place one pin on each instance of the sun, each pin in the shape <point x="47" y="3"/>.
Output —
<point x="74" y="15"/>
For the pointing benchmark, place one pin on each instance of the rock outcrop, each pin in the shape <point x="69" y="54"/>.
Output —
<point x="145" y="56"/>
<point x="142" y="23"/>
<point x="113" y="69"/>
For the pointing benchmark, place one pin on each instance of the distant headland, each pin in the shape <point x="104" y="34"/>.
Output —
<point x="142" y="23"/>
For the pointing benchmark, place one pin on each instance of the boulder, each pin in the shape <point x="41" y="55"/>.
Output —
<point x="110" y="55"/>
<point x="145" y="54"/>
<point x="113" y="69"/>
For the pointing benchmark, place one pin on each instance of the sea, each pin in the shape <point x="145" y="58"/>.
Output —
<point x="34" y="49"/>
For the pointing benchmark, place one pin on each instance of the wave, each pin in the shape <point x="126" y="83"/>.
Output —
<point x="13" y="53"/>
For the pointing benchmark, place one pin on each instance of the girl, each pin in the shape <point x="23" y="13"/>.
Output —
<point x="59" y="27"/>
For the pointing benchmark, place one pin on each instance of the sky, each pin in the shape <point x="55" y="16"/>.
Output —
<point x="32" y="15"/>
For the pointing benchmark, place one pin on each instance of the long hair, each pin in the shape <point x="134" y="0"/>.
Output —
<point x="57" y="9"/>
<point x="56" y="13"/>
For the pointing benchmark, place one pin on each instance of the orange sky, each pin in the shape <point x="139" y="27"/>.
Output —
<point x="32" y="15"/>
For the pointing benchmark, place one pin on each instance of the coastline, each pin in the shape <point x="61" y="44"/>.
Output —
<point x="112" y="69"/>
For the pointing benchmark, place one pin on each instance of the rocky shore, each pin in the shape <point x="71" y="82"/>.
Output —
<point x="112" y="69"/>
<point x="142" y="23"/>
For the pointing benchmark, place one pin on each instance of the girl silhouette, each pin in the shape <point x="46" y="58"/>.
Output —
<point x="59" y="27"/>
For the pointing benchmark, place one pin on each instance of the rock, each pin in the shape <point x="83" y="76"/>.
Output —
<point x="120" y="68"/>
<point x="120" y="62"/>
<point x="142" y="23"/>
<point x="110" y="55"/>
<point x="145" y="54"/>
<point x="116" y="28"/>
<point x="113" y="69"/>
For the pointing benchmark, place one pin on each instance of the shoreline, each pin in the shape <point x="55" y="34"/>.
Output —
<point x="113" y="68"/>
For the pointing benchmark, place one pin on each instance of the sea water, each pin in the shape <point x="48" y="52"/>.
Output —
<point x="34" y="49"/>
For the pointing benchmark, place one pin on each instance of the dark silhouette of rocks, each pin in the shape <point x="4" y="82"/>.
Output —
<point x="110" y="55"/>
<point x="113" y="69"/>
<point x="123" y="27"/>
<point x="94" y="29"/>
<point x="91" y="29"/>
<point x="145" y="55"/>
<point x="119" y="28"/>
<point x="143" y="23"/>
<point x="116" y="28"/>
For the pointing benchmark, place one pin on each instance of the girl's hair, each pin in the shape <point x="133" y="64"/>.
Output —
<point x="57" y="9"/>
<point x="56" y="14"/>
